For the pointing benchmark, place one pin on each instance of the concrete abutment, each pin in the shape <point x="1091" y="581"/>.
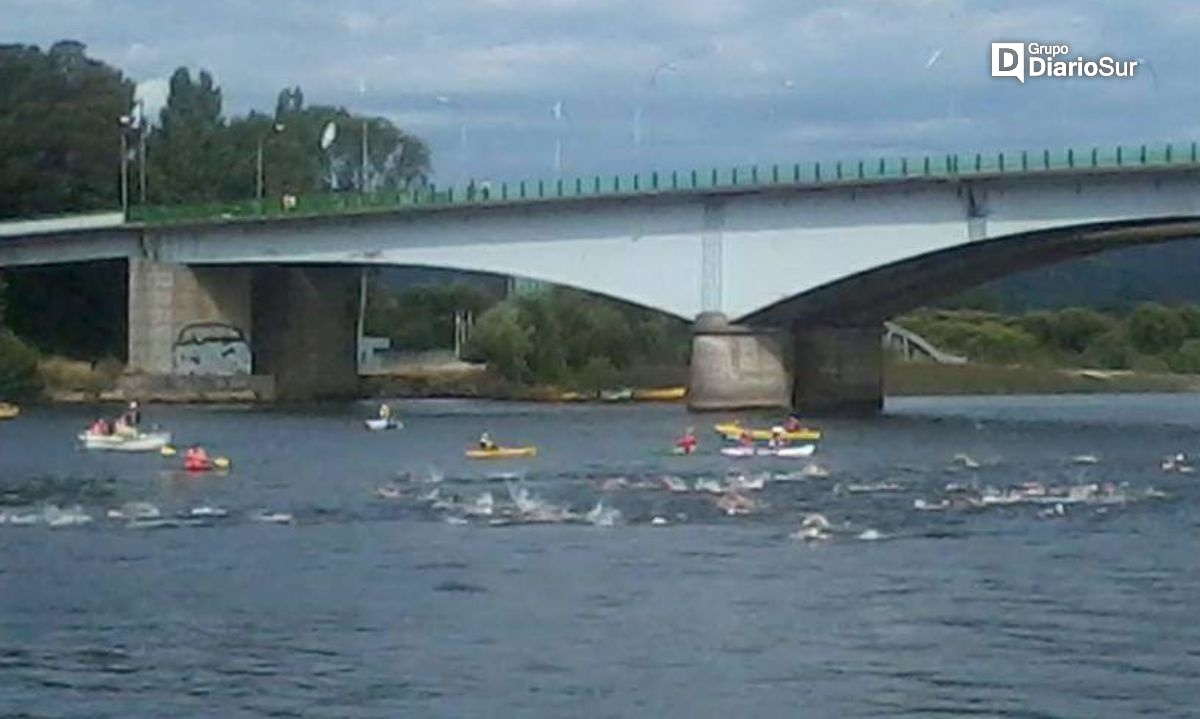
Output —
<point x="838" y="370"/>
<point x="271" y="332"/>
<point x="736" y="367"/>
<point x="823" y="370"/>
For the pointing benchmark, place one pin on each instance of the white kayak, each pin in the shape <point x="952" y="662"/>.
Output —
<point x="803" y="450"/>
<point x="379" y="424"/>
<point x="142" y="442"/>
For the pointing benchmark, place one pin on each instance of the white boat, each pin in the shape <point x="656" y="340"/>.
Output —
<point x="143" y="442"/>
<point x="379" y="424"/>
<point x="803" y="450"/>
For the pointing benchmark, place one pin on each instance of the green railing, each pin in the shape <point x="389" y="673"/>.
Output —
<point x="692" y="180"/>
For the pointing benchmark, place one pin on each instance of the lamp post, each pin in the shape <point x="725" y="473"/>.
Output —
<point x="133" y="123"/>
<point x="651" y="83"/>
<point x="141" y="128"/>
<point x="276" y="128"/>
<point x="124" y="174"/>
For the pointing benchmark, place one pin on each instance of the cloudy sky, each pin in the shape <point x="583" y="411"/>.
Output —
<point x="662" y="83"/>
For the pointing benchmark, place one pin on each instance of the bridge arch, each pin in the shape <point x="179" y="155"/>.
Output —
<point x="873" y="295"/>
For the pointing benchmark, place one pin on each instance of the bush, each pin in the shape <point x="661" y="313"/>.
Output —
<point x="1155" y="329"/>
<point x="18" y="368"/>
<point x="1187" y="358"/>
<point x="597" y="374"/>
<point x="503" y="342"/>
<point x="1149" y="364"/>
<point x="1110" y="350"/>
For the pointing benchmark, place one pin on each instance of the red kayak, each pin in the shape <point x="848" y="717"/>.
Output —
<point x="197" y="465"/>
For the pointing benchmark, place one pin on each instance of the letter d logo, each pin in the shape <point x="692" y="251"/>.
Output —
<point x="1008" y="60"/>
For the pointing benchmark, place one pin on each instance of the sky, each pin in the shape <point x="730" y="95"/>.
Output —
<point x="668" y="84"/>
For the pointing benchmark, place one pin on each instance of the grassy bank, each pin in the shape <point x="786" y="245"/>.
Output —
<point x="922" y="378"/>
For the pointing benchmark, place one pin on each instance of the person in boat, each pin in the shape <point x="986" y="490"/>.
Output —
<point x="687" y="443"/>
<point x="746" y="439"/>
<point x="792" y="424"/>
<point x="100" y="428"/>
<point x="132" y="416"/>
<point x="777" y="439"/>
<point x="121" y="429"/>
<point x="385" y="412"/>
<point x="195" y="458"/>
<point x="486" y="443"/>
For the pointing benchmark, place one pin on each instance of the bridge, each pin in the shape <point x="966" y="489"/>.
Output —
<point x="788" y="272"/>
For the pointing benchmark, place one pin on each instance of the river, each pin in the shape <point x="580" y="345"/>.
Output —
<point x="315" y="596"/>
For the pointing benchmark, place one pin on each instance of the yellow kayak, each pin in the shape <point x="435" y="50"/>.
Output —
<point x="9" y="411"/>
<point x="501" y="453"/>
<point x="733" y="430"/>
<point x="666" y="394"/>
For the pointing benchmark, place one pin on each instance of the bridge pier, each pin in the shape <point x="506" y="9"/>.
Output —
<point x="297" y="329"/>
<point x="306" y="322"/>
<point x="735" y="367"/>
<point x="165" y="298"/>
<point x="838" y="370"/>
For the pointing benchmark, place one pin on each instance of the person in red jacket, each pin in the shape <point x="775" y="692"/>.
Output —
<point x="687" y="443"/>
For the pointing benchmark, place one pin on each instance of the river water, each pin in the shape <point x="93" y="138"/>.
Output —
<point x="316" y="596"/>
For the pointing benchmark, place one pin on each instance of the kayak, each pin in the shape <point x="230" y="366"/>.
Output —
<point x="501" y="453"/>
<point x="666" y="394"/>
<point x="616" y="395"/>
<point x="144" y="442"/>
<point x="379" y="424"/>
<point x="804" y="450"/>
<point x="9" y="411"/>
<point x="207" y="464"/>
<point x="733" y="430"/>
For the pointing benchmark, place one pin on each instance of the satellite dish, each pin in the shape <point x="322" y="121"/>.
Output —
<point x="328" y="135"/>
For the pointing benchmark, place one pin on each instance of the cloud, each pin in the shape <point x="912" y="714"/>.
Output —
<point x="153" y="94"/>
<point x="755" y="80"/>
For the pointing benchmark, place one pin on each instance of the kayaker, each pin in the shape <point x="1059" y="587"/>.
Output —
<point x="777" y="439"/>
<point x="486" y="443"/>
<point x="196" y="458"/>
<point x="687" y="443"/>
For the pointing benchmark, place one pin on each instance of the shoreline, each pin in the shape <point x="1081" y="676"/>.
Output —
<point x="901" y="379"/>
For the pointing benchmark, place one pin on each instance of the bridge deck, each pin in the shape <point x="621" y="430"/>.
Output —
<point x="712" y="181"/>
<point x="740" y="179"/>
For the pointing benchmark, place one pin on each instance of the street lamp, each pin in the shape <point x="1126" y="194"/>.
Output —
<point x="276" y="128"/>
<point x="651" y="84"/>
<point x="132" y="123"/>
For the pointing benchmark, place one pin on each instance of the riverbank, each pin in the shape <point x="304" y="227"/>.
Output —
<point x="922" y="378"/>
<point x="68" y="382"/>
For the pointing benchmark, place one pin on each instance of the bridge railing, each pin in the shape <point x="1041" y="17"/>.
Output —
<point x="749" y="177"/>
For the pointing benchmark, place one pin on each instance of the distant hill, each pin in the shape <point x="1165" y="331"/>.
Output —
<point x="1114" y="280"/>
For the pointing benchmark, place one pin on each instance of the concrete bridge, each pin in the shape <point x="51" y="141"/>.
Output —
<point x="787" y="271"/>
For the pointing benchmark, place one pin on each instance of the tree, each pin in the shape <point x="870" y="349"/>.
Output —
<point x="59" y="135"/>
<point x="18" y="368"/>
<point x="1187" y="358"/>
<point x="1155" y="329"/>
<point x="503" y="342"/>
<point x="188" y="153"/>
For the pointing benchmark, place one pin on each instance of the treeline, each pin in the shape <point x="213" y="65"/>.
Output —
<point x="1150" y="338"/>
<point x="557" y="336"/>
<point x="61" y="124"/>
<point x="569" y="338"/>
<point x="62" y="116"/>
